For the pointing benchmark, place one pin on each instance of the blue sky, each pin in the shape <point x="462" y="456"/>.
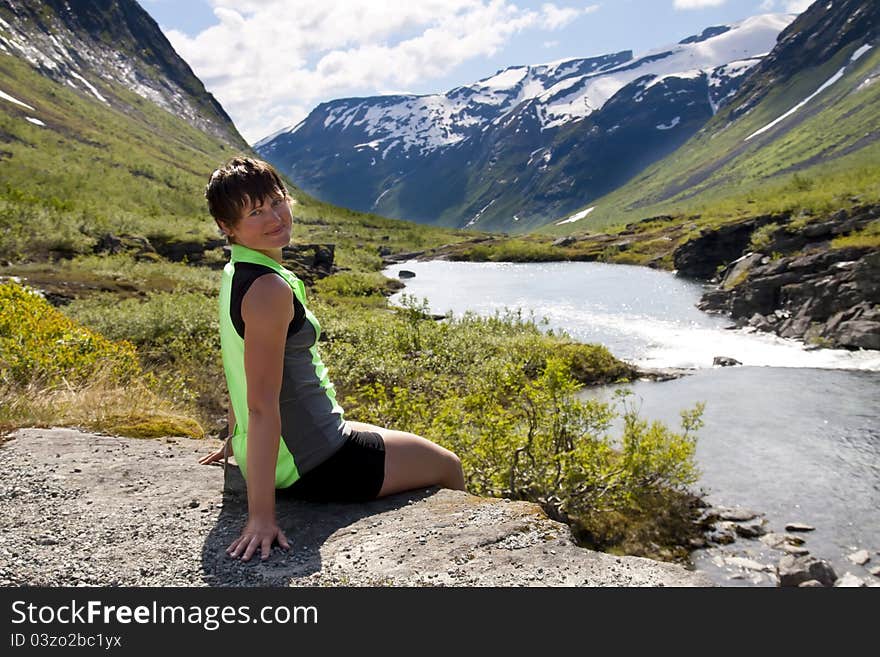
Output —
<point x="270" y="62"/>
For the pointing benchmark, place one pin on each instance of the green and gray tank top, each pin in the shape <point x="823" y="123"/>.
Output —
<point x="312" y="424"/>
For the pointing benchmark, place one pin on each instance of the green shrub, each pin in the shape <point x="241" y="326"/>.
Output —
<point x="353" y="284"/>
<point x="762" y="237"/>
<point x="177" y="338"/>
<point x="869" y="236"/>
<point x="38" y="344"/>
<point x="166" y="326"/>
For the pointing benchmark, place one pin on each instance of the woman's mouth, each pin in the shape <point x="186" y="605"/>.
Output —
<point x="276" y="231"/>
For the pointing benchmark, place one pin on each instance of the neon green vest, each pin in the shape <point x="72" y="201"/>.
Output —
<point x="232" y="345"/>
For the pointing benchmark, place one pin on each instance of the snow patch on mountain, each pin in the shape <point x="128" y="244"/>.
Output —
<point x="12" y="99"/>
<point x="860" y="51"/>
<point x="479" y="214"/>
<point x="379" y="198"/>
<point x="577" y="216"/>
<point x="732" y="70"/>
<point x="834" y="78"/>
<point x="35" y="121"/>
<point x="505" y="79"/>
<point x="88" y="85"/>
<point x="671" y="125"/>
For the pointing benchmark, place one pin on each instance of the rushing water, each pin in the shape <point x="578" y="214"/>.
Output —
<point x="794" y="433"/>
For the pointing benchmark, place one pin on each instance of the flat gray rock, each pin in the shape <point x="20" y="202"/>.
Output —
<point x="779" y="541"/>
<point x="83" y="508"/>
<point x="860" y="558"/>
<point x="750" y="529"/>
<point x="736" y="514"/>
<point x="799" y="527"/>
<point x="849" y="581"/>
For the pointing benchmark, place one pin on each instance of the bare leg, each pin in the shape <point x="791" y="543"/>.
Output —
<point x="414" y="462"/>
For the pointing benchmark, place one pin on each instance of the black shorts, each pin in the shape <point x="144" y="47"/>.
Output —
<point x="354" y="473"/>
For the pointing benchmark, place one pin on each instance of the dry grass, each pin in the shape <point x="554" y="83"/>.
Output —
<point x="100" y="405"/>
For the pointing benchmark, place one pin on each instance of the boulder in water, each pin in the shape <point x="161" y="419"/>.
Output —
<point x="793" y="570"/>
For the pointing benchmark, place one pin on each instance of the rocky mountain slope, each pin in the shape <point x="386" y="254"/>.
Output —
<point x="87" y="44"/>
<point x="103" y="130"/>
<point x="802" y="132"/>
<point x="525" y="145"/>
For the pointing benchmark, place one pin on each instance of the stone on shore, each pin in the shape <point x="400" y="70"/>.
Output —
<point x="799" y="527"/>
<point x="777" y="541"/>
<point x="849" y="581"/>
<point x="751" y="529"/>
<point x="736" y="514"/>
<point x="860" y="558"/>
<point x="796" y="569"/>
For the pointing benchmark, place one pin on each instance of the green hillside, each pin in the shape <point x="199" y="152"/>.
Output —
<point x="93" y="168"/>
<point x="825" y="156"/>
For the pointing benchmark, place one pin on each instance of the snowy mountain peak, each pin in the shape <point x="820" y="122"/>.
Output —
<point x="721" y="46"/>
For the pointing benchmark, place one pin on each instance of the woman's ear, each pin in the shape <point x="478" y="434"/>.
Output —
<point x="227" y="232"/>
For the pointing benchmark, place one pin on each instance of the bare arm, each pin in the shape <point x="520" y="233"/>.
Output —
<point x="267" y="309"/>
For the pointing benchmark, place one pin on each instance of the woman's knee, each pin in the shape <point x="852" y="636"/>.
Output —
<point x="454" y="471"/>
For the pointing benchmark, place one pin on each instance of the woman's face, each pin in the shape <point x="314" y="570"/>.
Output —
<point x="264" y="225"/>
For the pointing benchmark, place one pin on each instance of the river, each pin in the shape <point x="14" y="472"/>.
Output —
<point x="794" y="433"/>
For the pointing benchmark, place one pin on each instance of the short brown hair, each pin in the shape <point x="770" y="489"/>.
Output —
<point x="236" y="185"/>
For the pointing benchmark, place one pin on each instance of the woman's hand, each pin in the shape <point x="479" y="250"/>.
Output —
<point x="257" y="533"/>
<point x="218" y="455"/>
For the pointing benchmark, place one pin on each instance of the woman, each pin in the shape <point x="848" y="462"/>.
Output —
<point x="287" y="429"/>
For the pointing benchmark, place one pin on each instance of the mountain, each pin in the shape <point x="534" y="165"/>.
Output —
<point x="801" y="133"/>
<point x="110" y="41"/>
<point x="526" y="145"/>
<point x="103" y="128"/>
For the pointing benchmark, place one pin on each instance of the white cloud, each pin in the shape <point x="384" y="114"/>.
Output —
<point x="556" y="17"/>
<point x="797" y="6"/>
<point x="697" y="4"/>
<point x="268" y="61"/>
<point x="788" y="6"/>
